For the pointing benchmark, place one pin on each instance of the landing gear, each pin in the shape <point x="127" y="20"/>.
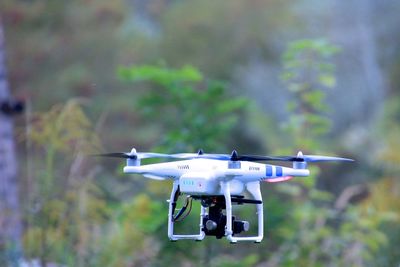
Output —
<point x="216" y="217"/>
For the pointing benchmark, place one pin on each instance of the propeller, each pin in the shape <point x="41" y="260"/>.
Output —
<point x="133" y="155"/>
<point x="299" y="158"/>
<point x="234" y="156"/>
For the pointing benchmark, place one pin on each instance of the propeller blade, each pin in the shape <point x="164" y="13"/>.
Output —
<point x="116" y="155"/>
<point x="140" y="155"/>
<point x="200" y="156"/>
<point x="316" y="158"/>
<point x="267" y="158"/>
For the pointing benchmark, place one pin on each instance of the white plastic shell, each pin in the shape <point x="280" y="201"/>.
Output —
<point x="198" y="183"/>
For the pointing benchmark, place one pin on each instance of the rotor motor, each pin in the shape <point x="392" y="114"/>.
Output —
<point x="134" y="159"/>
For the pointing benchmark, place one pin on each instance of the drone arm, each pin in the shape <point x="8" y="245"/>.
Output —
<point x="142" y="171"/>
<point x="134" y="169"/>
<point x="159" y="171"/>
<point x="273" y="172"/>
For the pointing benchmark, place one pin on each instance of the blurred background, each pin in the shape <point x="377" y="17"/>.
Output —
<point x="264" y="77"/>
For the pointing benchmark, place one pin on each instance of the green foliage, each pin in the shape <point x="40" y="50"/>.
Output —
<point x="320" y="232"/>
<point x="193" y="113"/>
<point x="385" y="192"/>
<point x="390" y="130"/>
<point x="307" y="71"/>
<point x="160" y="75"/>
<point x="323" y="234"/>
<point x="247" y="261"/>
<point x="129" y="239"/>
<point x="141" y="212"/>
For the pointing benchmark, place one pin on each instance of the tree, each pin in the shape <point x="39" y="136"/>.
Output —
<point x="10" y="219"/>
<point x="323" y="231"/>
<point x="193" y="112"/>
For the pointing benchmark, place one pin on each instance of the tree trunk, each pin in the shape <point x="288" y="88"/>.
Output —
<point x="10" y="220"/>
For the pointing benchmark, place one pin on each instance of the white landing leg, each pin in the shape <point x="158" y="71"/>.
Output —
<point x="171" y="210"/>
<point x="254" y="189"/>
<point x="228" y="228"/>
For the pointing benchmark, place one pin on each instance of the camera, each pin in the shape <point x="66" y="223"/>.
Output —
<point x="214" y="223"/>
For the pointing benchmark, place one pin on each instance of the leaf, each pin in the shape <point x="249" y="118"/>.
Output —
<point x="327" y="80"/>
<point x="159" y="75"/>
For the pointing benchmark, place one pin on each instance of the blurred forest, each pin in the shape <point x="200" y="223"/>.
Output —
<point x="264" y="77"/>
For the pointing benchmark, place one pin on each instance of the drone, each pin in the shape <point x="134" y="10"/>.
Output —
<point x="218" y="181"/>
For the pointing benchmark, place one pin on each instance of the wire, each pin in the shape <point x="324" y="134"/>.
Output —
<point x="182" y="210"/>
<point x="190" y="200"/>
<point x="176" y="196"/>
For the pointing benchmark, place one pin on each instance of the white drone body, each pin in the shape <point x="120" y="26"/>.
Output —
<point x="218" y="181"/>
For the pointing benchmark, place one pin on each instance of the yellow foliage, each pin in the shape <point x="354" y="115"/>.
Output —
<point x="31" y="241"/>
<point x="391" y="154"/>
<point x="64" y="128"/>
<point x="71" y="206"/>
<point x="55" y="210"/>
<point x="385" y="196"/>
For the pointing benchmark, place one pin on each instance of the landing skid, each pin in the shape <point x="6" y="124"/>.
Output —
<point x="212" y="220"/>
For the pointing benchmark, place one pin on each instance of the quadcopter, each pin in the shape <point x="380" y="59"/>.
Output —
<point x="218" y="181"/>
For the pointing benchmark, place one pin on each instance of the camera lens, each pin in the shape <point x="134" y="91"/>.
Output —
<point x="211" y="225"/>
